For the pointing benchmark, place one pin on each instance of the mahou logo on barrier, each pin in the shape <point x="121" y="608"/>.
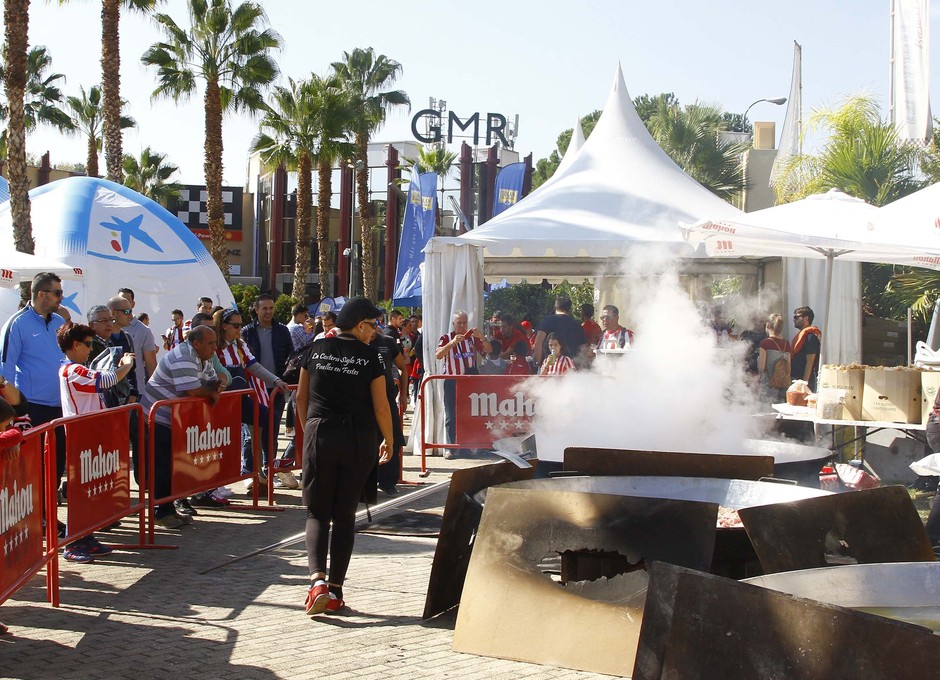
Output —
<point x="98" y="459"/>
<point x="206" y="442"/>
<point x="21" y="512"/>
<point x="492" y="408"/>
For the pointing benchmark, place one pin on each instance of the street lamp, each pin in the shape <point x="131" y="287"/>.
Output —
<point x="778" y="101"/>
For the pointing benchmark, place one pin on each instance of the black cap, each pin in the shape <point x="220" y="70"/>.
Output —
<point x="356" y="310"/>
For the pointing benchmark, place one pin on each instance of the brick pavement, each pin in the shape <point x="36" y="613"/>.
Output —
<point x="150" y="614"/>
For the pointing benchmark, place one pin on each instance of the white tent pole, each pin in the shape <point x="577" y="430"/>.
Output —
<point x="829" y="258"/>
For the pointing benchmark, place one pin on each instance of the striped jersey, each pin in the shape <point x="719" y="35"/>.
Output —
<point x="175" y="336"/>
<point x="461" y="357"/>
<point x="81" y="388"/>
<point x="237" y="355"/>
<point x="556" y="365"/>
<point x="179" y="371"/>
<point x="619" y="338"/>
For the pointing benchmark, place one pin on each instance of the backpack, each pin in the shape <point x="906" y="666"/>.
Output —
<point x="780" y="378"/>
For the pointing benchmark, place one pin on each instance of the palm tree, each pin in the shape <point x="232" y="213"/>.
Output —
<point x="16" y="26"/>
<point x="87" y="120"/>
<point x="286" y="138"/>
<point x="435" y="158"/>
<point x="365" y="75"/>
<point x="230" y="50"/>
<point x="862" y="157"/>
<point x="149" y="176"/>
<point x="690" y="136"/>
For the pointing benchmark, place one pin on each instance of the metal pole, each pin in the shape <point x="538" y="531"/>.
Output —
<point x="379" y="510"/>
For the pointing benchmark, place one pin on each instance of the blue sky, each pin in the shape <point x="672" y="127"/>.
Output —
<point x="547" y="60"/>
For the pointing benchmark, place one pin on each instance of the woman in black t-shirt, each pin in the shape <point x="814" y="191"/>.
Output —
<point x="345" y="413"/>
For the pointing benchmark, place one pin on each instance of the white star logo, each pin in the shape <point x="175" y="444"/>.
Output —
<point x="88" y="491"/>
<point x="489" y="425"/>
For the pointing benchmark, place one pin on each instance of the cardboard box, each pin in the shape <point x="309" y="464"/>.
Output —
<point x="892" y="395"/>
<point x="929" y="384"/>
<point x="851" y="380"/>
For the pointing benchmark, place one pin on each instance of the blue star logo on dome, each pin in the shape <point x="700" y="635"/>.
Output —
<point x="128" y="230"/>
<point x="69" y="301"/>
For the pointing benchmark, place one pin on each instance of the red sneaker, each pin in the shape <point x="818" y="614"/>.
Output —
<point x="334" y="604"/>
<point x="318" y="599"/>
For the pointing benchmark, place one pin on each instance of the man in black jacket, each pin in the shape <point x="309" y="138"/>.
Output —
<point x="271" y="344"/>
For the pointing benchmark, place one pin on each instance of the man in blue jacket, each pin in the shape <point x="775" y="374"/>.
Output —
<point x="30" y="354"/>
<point x="271" y="344"/>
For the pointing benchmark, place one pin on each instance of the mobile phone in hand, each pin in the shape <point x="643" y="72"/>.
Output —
<point x="469" y="334"/>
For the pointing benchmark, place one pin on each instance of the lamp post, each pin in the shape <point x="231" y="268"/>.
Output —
<point x="778" y="101"/>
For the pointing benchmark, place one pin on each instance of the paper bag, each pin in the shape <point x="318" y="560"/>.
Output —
<point x="850" y="380"/>
<point x="891" y="395"/>
<point x="929" y="384"/>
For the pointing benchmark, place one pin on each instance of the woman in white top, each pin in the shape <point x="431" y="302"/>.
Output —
<point x="81" y="387"/>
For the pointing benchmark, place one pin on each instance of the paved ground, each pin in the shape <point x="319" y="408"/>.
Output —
<point x="150" y="614"/>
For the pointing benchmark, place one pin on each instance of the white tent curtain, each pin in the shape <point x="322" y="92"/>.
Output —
<point x="453" y="280"/>
<point x="805" y="284"/>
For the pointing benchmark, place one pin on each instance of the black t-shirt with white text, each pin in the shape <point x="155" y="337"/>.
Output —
<point x="341" y="373"/>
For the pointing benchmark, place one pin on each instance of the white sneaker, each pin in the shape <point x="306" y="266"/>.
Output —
<point x="289" y="432"/>
<point x="287" y="480"/>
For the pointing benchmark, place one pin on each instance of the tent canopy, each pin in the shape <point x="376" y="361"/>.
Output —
<point x="117" y="238"/>
<point x="620" y="190"/>
<point x="18" y="267"/>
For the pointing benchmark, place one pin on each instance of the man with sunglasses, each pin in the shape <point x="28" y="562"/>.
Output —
<point x="30" y="355"/>
<point x="29" y="350"/>
<point x="804" y="364"/>
<point x="108" y="335"/>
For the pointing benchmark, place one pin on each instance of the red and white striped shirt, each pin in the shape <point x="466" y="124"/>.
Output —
<point x="556" y="365"/>
<point x="237" y="355"/>
<point x="461" y="357"/>
<point x="619" y="338"/>
<point x="80" y="388"/>
<point x="174" y="336"/>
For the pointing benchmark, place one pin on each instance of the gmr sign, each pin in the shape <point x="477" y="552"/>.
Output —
<point x="495" y="126"/>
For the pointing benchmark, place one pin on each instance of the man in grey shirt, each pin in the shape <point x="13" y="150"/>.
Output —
<point x="144" y="344"/>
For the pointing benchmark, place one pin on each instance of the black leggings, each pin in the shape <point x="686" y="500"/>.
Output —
<point x="339" y="454"/>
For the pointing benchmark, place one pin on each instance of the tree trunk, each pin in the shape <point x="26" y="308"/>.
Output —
<point x="91" y="163"/>
<point x="213" y="169"/>
<point x="324" y="197"/>
<point x="365" y="216"/>
<point x="16" y="26"/>
<point x="111" y="89"/>
<point x="304" y="202"/>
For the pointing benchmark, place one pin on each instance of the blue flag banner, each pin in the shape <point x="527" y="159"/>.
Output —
<point x="508" y="187"/>
<point x="416" y="230"/>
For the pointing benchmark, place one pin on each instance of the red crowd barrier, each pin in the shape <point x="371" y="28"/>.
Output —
<point x="98" y="470"/>
<point x="205" y="447"/>
<point x="21" y="511"/>
<point x="487" y="408"/>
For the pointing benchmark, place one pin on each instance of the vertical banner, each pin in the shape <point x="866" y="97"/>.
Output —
<point x="492" y="408"/>
<point x="910" y="70"/>
<point x="21" y="513"/>
<point x="206" y="443"/>
<point x="508" y="189"/>
<point x="98" y="463"/>
<point x="416" y="230"/>
<point x="789" y="146"/>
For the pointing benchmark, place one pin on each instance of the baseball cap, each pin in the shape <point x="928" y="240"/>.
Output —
<point x="356" y="310"/>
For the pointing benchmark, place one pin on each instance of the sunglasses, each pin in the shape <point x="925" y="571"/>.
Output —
<point x="374" y="324"/>
<point x="233" y="325"/>
<point x="125" y="312"/>
<point x="88" y="343"/>
<point x="57" y="292"/>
